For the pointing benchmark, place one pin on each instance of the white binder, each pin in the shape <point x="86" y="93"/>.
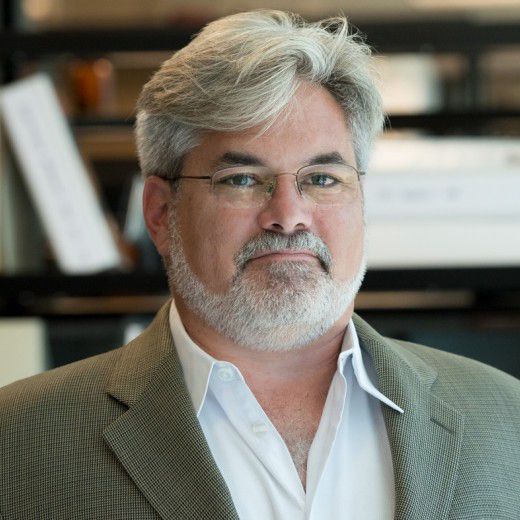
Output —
<point x="56" y="177"/>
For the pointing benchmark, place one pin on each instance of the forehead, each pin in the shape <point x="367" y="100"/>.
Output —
<point x="313" y="123"/>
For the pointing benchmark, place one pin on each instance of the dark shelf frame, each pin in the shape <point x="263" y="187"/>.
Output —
<point x="486" y="289"/>
<point x="470" y="121"/>
<point x="396" y="36"/>
<point x="479" y="279"/>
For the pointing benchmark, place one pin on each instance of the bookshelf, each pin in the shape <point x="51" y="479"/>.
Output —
<point x="118" y="294"/>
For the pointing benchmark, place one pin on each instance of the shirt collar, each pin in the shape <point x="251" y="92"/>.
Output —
<point x="198" y="364"/>
<point x="351" y="347"/>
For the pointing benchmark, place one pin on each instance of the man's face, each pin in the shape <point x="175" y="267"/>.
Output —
<point x="215" y="241"/>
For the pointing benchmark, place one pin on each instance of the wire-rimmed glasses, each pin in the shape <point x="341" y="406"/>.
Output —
<point x="252" y="186"/>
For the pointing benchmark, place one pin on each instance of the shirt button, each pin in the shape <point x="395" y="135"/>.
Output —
<point x="226" y="374"/>
<point x="259" y="428"/>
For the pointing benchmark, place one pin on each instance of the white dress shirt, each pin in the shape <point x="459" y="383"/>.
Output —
<point x="349" y="468"/>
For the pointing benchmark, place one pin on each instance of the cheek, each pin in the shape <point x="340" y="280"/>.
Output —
<point x="343" y="232"/>
<point x="212" y="238"/>
<point x="194" y="220"/>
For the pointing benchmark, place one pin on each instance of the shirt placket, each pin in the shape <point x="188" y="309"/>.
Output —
<point x="250" y="421"/>
<point x="325" y="437"/>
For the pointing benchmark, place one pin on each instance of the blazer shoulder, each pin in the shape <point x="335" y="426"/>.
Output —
<point x="76" y="381"/>
<point x="456" y="371"/>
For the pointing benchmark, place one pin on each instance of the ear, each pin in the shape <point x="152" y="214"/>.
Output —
<point x="156" y="197"/>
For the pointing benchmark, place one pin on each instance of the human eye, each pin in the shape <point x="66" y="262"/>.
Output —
<point x="237" y="180"/>
<point x="320" y="179"/>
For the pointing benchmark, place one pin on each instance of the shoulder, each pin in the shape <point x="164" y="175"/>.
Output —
<point x="97" y="385"/>
<point x="52" y="443"/>
<point x="445" y="370"/>
<point x="448" y="364"/>
<point x="51" y="424"/>
<point x="487" y="404"/>
<point x="467" y="384"/>
<point x="71" y="385"/>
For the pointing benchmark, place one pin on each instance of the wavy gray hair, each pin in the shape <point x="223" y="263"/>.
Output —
<point x="241" y="71"/>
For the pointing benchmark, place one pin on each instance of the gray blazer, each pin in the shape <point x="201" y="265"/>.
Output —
<point x="115" y="437"/>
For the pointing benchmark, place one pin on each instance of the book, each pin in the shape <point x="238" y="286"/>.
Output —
<point x="58" y="182"/>
<point x="22" y="241"/>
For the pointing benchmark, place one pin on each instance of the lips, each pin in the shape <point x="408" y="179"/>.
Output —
<point x="283" y="252"/>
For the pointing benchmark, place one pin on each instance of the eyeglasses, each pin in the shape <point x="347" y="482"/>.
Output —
<point x="252" y="186"/>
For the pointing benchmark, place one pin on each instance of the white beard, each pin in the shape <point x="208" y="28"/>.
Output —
<point x="279" y="306"/>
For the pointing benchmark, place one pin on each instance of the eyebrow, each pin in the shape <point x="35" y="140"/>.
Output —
<point x="236" y="159"/>
<point x="327" y="158"/>
<point x="229" y="159"/>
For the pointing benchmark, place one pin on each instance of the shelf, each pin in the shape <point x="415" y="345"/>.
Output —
<point x="406" y="36"/>
<point x="468" y="121"/>
<point x="92" y="42"/>
<point x="446" y="290"/>
<point x="447" y="119"/>
<point x="487" y="279"/>
<point x="439" y="36"/>
<point x="24" y="287"/>
<point x="478" y="279"/>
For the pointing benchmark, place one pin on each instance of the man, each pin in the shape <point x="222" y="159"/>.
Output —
<point x="256" y="393"/>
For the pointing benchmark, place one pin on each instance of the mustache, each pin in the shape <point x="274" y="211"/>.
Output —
<point x="272" y="241"/>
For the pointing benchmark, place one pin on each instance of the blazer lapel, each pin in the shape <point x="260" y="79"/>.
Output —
<point x="158" y="440"/>
<point x="426" y="439"/>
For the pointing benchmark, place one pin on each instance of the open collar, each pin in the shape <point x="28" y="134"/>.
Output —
<point x="198" y="364"/>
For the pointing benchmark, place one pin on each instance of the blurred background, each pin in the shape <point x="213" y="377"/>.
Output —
<point x="443" y="190"/>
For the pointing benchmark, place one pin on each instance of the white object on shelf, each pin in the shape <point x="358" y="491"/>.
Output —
<point x="132" y="330"/>
<point x="134" y="225"/>
<point x="23" y="349"/>
<point x="409" y="83"/>
<point x="56" y="177"/>
<point x="22" y="243"/>
<point x="444" y="202"/>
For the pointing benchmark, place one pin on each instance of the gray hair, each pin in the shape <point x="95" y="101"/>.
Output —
<point x="242" y="71"/>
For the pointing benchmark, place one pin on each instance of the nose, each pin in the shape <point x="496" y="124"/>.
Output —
<point x="286" y="211"/>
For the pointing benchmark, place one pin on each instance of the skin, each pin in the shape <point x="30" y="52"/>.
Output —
<point x="284" y="383"/>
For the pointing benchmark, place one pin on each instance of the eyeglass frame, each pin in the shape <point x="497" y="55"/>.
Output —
<point x="360" y="173"/>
